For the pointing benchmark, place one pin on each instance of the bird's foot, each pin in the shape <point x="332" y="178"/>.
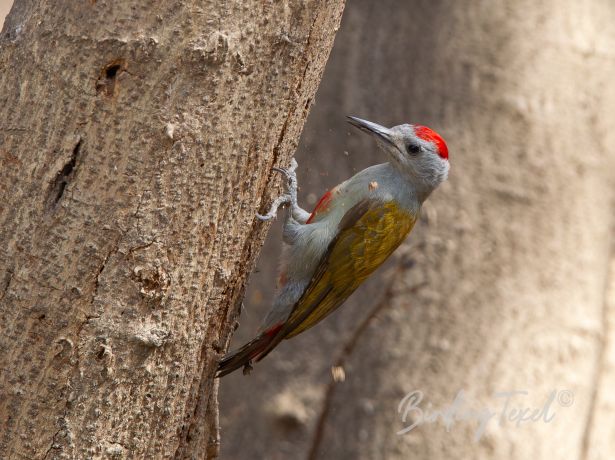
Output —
<point x="290" y="197"/>
<point x="291" y="176"/>
<point x="273" y="211"/>
<point x="292" y="186"/>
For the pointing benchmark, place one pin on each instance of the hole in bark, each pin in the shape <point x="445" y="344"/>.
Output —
<point x="111" y="71"/>
<point x="107" y="80"/>
<point x="42" y="317"/>
<point x="101" y="353"/>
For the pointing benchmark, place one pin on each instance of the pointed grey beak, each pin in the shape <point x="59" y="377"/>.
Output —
<point x="380" y="132"/>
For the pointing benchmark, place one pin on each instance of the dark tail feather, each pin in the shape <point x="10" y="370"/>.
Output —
<point x="243" y="356"/>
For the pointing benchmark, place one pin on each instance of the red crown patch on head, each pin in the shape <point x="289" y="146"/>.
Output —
<point x="429" y="135"/>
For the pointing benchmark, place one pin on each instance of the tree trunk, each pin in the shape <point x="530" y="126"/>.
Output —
<point x="5" y="6"/>
<point x="514" y="248"/>
<point x="136" y="142"/>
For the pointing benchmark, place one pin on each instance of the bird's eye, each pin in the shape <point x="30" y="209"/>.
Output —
<point x="413" y="149"/>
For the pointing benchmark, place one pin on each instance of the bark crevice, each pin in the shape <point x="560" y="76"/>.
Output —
<point x="64" y="176"/>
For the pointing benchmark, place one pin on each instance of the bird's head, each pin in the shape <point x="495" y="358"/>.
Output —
<point x="415" y="150"/>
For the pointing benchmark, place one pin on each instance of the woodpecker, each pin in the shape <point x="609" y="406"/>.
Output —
<point x="352" y="230"/>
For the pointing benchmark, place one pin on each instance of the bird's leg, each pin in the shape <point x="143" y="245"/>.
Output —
<point x="291" y="230"/>
<point x="299" y="214"/>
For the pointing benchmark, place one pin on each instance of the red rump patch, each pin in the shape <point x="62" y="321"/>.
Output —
<point x="273" y="330"/>
<point x="260" y="343"/>
<point x="429" y="135"/>
<point x="320" y="206"/>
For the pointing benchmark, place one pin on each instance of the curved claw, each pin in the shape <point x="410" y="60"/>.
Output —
<point x="273" y="211"/>
<point x="264" y="218"/>
<point x="290" y="171"/>
<point x="280" y="170"/>
<point x="289" y="197"/>
<point x="290" y="174"/>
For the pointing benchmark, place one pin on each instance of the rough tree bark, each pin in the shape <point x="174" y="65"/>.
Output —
<point x="135" y="144"/>
<point x="514" y="248"/>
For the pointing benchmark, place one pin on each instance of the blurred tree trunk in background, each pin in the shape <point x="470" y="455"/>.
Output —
<point x="5" y="6"/>
<point x="514" y="248"/>
<point x="135" y="145"/>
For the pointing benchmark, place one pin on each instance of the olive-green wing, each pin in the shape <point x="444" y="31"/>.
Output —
<point x="367" y="236"/>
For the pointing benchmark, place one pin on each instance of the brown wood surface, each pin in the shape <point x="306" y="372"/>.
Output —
<point x="136" y="140"/>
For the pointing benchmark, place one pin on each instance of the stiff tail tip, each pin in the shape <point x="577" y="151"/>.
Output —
<point x="247" y="368"/>
<point x="243" y="356"/>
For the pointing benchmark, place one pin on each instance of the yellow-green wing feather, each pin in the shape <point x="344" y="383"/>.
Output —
<point x="368" y="234"/>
